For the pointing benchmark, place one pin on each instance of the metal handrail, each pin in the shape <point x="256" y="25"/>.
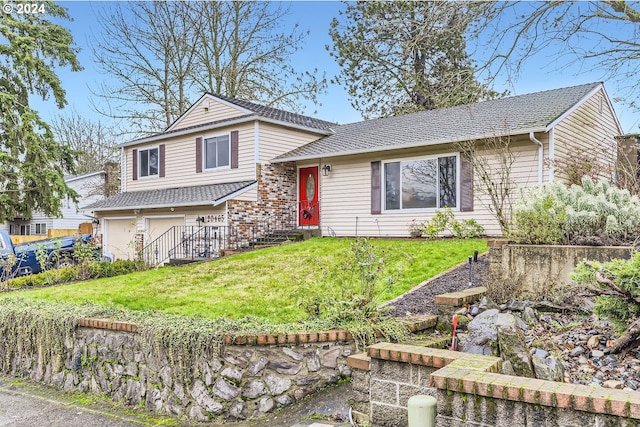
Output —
<point x="204" y="242"/>
<point x="190" y="242"/>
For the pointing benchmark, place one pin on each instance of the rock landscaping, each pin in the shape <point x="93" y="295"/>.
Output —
<point x="557" y="346"/>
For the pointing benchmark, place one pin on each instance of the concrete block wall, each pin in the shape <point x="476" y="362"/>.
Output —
<point x="540" y="267"/>
<point x="470" y="392"/>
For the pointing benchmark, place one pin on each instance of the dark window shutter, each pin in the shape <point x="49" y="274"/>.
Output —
<point x="161" y="156"/>
<point x="199" y="154"/>
<point x="234" y="149"/>
<point x="135" y="164"/>
<point x="376" y="193"/>
<point x="466" y="183"/>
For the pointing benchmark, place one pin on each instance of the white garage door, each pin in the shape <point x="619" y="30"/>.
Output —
<point x="156" y="228"/>
<point x="118" y="238"/>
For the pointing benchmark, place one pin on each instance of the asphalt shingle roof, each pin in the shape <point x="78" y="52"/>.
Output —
<point x="281" y="115"/>
<point x="511" y="115"/>
<point x="199" y="195"/>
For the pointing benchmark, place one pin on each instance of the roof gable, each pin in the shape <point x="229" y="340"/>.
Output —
<point x="207" y="109"/>
<point x="214" y="111"/>
<point x="535" y="112"/>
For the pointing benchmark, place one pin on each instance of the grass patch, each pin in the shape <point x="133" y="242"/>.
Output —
<point x="265" y="284"/>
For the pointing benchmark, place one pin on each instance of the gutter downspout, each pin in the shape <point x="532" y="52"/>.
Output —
<point x="551" y="154"/>
<point x="533" y="139"/>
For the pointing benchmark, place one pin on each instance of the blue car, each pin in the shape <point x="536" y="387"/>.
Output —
<point x="57" y="252"/>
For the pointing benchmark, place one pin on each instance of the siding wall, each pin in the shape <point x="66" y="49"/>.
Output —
<point x="276" y="140"/>
<point x="180" y="162"/>
<point x="587" y="131"/>
<point x="346" y="193"/>
<point x="197" y="114"/>
<point x="190" y="214"/>
<point x="139" y="223"/>
<point x="90" y="190"/>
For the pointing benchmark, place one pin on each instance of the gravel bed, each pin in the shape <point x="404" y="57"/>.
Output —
<point x="420" y="300"/>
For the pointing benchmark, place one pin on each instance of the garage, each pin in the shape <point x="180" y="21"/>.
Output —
<point x="118" y="238"/>
<point x="156" y="228"/>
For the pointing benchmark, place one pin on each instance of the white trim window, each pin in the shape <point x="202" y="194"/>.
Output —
<point x="217" y="152"/>
<point x="421" y="183"/>
<point x="148" y="163"/>
<point x="41" y="229"/>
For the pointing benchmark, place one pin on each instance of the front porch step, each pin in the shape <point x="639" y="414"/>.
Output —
<point x="279" y="236"/>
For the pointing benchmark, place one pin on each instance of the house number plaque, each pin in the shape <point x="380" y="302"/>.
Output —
<point x="214" y="218"/>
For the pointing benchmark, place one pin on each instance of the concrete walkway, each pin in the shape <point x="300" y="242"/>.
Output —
<point x="31" y="405"/>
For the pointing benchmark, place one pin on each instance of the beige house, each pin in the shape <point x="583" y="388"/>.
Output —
<point x="227" y="170"/>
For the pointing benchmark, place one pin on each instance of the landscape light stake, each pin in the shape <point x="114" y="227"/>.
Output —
<point x="470" y="271"/>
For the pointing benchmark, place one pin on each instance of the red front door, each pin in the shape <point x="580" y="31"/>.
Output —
<point x="308" y="209"/>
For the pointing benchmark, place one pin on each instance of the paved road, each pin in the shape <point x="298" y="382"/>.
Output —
<point x="24" y="405"/>
<point x="30" y="405"/>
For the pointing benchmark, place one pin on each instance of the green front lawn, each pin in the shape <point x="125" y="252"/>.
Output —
<point x="269" y="283"/>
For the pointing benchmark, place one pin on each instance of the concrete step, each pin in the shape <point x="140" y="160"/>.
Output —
<point x="460" y="298"/>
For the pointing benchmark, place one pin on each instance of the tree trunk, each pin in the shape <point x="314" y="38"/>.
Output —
<point x="628" y="340"/>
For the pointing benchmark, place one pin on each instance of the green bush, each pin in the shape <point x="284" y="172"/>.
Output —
<point x="595" y="213"/>
<point x="84" y="271"/>
<point x="539" y="220"/>
<point x="623" y="300"/>
<point x="444" y="221"/>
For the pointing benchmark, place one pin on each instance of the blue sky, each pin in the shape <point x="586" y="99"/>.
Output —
<point x="315" y="16"/>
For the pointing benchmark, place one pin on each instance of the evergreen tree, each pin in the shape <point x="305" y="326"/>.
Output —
<point x="32" y="163"/>
<point x="401" y="57"/>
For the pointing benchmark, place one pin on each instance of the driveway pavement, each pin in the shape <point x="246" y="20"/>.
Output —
<point x="31" y="405"/>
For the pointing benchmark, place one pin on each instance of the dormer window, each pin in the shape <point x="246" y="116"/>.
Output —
<point x="217" y="152"/>
<point x="148" y="162"/>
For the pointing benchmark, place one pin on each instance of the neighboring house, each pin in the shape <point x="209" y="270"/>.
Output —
<point x="234" y="164"/>
<point x="89" y="187"/>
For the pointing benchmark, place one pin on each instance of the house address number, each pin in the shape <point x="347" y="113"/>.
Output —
<point x="214" y="218"/>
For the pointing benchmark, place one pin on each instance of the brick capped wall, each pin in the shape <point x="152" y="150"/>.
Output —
<point x="470" y="392"/>
<point x="276" y="200"/>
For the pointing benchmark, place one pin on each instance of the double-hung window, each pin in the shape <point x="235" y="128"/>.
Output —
<point x="217" y="152"/>
<point x="148" y="159"/>
<point x="426" y="183"/>
<point x="41" y="229"/>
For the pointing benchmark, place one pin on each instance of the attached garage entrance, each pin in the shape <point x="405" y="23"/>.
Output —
<point x="119" y="237"/>
<point x="156" y="227"/>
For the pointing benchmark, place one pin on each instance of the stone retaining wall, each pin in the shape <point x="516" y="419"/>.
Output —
<point x="470" y="392"/>
<point x="243" y="381"/>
